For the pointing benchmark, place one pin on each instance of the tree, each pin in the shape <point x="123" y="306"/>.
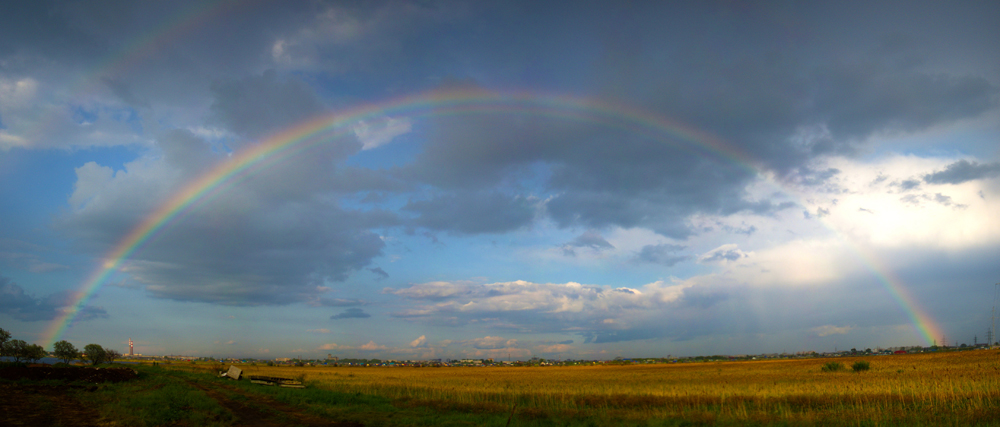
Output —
<point x="4" y="337"/>
<point x="15" y="349"/>
<point x="66" y="351"/>
<point x="95" y="354"/>
<point x="33" y="352"/>
<point x="111" y="355"/>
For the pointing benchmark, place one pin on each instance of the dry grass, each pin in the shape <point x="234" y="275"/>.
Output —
<point x="936" y="388"/>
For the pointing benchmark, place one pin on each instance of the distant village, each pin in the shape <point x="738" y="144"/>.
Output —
<point x="332" y="360"/>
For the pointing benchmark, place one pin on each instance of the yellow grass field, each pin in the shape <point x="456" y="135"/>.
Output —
<point x="953" y="388"/>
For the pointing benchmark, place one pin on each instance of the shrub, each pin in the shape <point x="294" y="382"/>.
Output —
<point x="832" y="367"/>
<point x="860" y="366"/>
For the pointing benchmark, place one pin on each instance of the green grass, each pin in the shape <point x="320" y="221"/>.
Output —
<point x="156" y="399"/>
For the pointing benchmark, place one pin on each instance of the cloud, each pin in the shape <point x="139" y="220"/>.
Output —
<point x="435" y="291"/>
<point x="725" y="253"/>
<point x="333" y="346"/>
<point x="376" y="133"/>
<point x="30" y="262"/>
<point x="554" y="348"/>
<point x="339" y="302"/>
<point x="907" y="185"/>
<point x="663" y="254"/>
<point x="827" y="330"/>
<point x="419" y="342"/>
<point x="17" y="304"/>
<point x="489" y="342"/>
<point x="122" y="90"/>
<point x="351" y="313"/>
<point x="254" y="106"/>
<point x="319" y="331"/>
<point x="379" y="272"/>
<point x="473" y="213"/>
<point x="963" y="171"/>
<point x="269" y="240"/>
<point x="589" y="239"/>
<point x="525" y="306"/>
<point x="371" y="346"/>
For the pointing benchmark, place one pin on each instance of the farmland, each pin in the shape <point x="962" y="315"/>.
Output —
<point x="949" y="388"/>
<point x="933" y="388"/>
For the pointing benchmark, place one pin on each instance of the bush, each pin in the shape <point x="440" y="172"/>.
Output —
<point x="860" y="366"/>
<point x="832" y="367"/>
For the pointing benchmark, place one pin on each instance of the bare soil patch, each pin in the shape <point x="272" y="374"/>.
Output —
<point x="44" y="405"/>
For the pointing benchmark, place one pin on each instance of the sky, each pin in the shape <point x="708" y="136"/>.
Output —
<point x="516" y="179"/>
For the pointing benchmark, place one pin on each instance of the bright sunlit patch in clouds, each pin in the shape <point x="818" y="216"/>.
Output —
<point x="827" y="330"/>
<point x="376" y="133"/>
<point x="890" y="204"/>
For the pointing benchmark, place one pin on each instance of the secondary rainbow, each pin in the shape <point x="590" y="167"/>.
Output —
<point x="323" y="128"/>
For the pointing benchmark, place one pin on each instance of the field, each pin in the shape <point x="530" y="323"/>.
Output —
<point x="952" y="388"/>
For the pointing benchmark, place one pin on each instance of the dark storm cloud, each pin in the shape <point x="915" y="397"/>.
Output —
<point x="21" y="306"/>
<point x="268" y="240"/>
<point x="665" y="254"/>
<point x="962" y="171"/>
<point x="473" y="212"/>
<point x="254" y="106"/>
<point x="782" y="84"/>
<point x="47" y="28"/>
<point x="277" y="256"/>
<point x="786" y="99"/>
<point x="351" y="313"/>
<point x="123" y="91"/>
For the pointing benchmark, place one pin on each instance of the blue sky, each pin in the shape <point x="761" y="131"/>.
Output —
<point x="868" y="133"/>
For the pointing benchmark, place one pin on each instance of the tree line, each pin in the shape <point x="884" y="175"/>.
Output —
<point x="19" y="350"/>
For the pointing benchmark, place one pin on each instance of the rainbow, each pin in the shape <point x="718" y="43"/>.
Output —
<point x="324" y="128"/>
